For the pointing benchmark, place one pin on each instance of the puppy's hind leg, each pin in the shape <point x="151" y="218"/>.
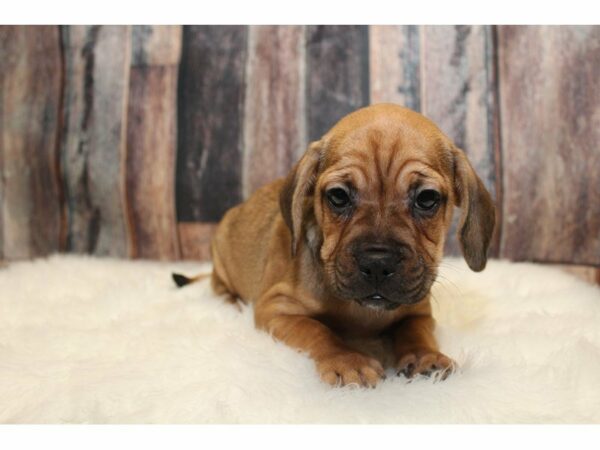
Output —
<point x="220" y="281"/>
<point x="220" y="287"/>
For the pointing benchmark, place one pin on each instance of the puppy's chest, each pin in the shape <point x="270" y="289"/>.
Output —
<point x="353" y="321"/>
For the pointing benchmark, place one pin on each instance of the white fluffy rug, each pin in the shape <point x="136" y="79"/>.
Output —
<point x="107" y="341"/>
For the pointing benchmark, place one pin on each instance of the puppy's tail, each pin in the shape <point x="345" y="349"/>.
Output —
<point x="182" y="280"/>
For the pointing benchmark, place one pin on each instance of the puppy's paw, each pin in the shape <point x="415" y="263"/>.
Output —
<point x="350" y="368"/>
<point x="425" y="362"/>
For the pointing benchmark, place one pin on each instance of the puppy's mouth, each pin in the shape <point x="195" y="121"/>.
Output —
<point x="377" y="301"/>
<point x="392" y="297"/>
<point x="384" y="296"/>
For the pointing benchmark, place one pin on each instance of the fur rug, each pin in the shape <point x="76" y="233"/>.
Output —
<point x="110" y="341"/>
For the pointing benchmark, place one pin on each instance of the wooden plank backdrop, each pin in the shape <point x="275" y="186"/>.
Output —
<point x="395" y="65"/>
<point x="152" y="141"/>
<point x="30" y="99"/>
<point x="274" y="104"/>
<point x="210" y="120"/>
<point x="93" y="138"/>
<point x="134" y="141"/>
<point x="337" y="74"/>
<point x="550" y="98"/>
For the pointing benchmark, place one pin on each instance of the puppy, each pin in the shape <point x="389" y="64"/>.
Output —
<point x="339" y="257"/>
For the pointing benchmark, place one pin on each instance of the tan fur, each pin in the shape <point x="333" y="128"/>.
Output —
<point x="281" y="248"/>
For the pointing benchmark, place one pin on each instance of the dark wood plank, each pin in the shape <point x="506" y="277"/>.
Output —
<point x="274" y="120"/>
<point x="97" y="60"/>
<point x="550" y="110"/>
<point x="30" y="87"/>
<point x="195" y="239"/>
<point x="210" y="117"/>
<point x="458" y="95"/>
<point x="395" y="65"/>
<point x="152" y="142"/>
<point x="337" y="74"/>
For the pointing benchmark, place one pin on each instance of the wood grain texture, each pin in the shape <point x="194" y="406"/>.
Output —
<point x="195" y="239"/>
<point x="152" y="142"/>
<point x="151" y="147"/>
<point x="395" y="65"/>
<point x="210" y="118"/>
<point x="458" y="95"/>
<point x="274" y="120"/>
<point x="156" y="45"/>
<point x="97" y="60"/>
<point x="550" y="111"/>
<point x="30" y="86"/>
<point x="107" y="140"/>
<point x="337" y="74"/>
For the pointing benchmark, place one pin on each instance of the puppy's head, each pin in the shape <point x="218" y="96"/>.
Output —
<point x="373" y="200"/>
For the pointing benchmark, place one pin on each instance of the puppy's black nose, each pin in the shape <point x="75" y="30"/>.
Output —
<point x="377" y="263"/>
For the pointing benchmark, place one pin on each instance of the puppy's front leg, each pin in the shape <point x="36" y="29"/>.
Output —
<point x="287" y="321"/>
<point x="416" y="348"/>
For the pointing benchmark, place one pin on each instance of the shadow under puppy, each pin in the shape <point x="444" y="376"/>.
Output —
<point x="339" y="257"/>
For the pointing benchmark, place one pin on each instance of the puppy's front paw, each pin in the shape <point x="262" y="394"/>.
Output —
<point x="425" y="362"/>
<point x="350" y="368"/>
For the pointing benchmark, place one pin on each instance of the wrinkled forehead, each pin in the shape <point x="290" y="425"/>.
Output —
<point x="393" y="153"/>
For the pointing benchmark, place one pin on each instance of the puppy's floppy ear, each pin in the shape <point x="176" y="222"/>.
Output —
<point x="478" y="214"/>
<point x="297" y="188"/>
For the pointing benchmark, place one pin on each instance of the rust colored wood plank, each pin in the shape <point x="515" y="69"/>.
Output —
<point x="195" y="239"/>
<point x="97" y="60"/>
<point x="274" y="128"/>
<point x="337" y="74"/>
<point x="458" y="95"/>
<point x="151" y="147"/>
<point x="585" y="273"/>
<point x="550" y="110"/>
<point x="30" y="87"/>
<point x="156" y="45"/>
<point x="395" y="65"/>
<point x="152" y="143"/>
<point x="210" y="117"/>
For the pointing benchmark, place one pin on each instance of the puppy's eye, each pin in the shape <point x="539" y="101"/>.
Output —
<point x="338" y="197"/>
<point x="427" y="199"/>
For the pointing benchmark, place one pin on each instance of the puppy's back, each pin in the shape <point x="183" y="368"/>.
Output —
<point x="244" y="238"/>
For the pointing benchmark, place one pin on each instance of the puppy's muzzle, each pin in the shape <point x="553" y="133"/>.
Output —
<point x="377" y="264"/>
<point x="385" y="277"/>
